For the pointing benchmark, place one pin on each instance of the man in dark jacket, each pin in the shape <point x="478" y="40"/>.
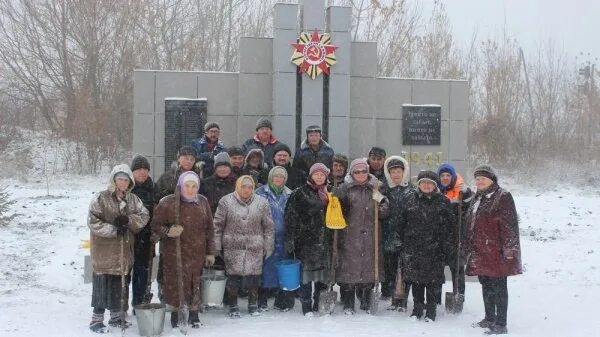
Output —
<point x="208" y="146"/>
<point x="376" y="159"/>
<point x="313" y="150"/>
<point x="143" y="249"/>
<point x="236" y="158"/>
<point x="421" y="228"/>
<point x="221" y="183"/>
<point x="263" y="140"/>
<point x="281" y="157"/>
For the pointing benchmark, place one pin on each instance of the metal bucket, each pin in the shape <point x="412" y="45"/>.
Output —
<point x="213" y="289"/>
<point x="213" y="271"/>
<point x="150" y="318"/>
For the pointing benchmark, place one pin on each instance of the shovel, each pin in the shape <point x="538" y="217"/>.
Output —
<point x="376" y="291"/>
<point x="183" y="314"/>
<point x="454" y="300"/>
<point x="329" y="297"/>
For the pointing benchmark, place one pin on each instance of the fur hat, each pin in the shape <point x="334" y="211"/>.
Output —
<point x="211" y="125"/>
<point x="318" y="167"/>
<point x="187" y="150"/>
<point x="235" y="151"/>
<point x="313" y="128"/>
<point x="486" y="171"/>
<point x="357" y="164"/>
<point x="264" y="123"/>
<point x="427" y="175"/>
<point x="377" y="151"/>
<point x="222" y="158"/>
<point x="394" y="163"/>
<point x="140" y="162"/>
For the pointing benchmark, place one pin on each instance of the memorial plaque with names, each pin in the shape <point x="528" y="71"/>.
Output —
<point x="421" y="124"/>
<point x="184" y="122"/>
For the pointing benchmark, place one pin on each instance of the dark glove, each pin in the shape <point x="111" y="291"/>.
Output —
<point x="121" y="223"/>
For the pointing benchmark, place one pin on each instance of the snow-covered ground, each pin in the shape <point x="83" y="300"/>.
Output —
<point x="42" y="292"/>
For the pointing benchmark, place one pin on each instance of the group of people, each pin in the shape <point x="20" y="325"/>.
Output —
<point x="247" y="208"/>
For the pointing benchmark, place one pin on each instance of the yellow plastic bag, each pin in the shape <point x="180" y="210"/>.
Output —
<point x="334" y="217"/>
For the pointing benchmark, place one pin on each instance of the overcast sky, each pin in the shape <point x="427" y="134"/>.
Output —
<point x="573" y="24"/>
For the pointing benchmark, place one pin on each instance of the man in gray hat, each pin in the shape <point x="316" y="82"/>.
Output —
<point x="263" y="140"/>
<point x="313" y="150"/>
<point x="208" y="146"/>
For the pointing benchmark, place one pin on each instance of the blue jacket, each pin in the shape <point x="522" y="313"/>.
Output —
<point x="277" y="204"/>
<point x="201" y="147"/>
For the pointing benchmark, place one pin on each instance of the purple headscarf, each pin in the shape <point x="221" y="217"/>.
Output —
<point x="185" y="177"/>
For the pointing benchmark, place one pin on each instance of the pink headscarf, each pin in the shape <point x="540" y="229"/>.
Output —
<point x="185" y="177"/>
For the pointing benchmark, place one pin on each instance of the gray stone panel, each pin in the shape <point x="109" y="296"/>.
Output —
<point x="461" y="167"/>
<point x="283" y="50"/>
<point x="143" y="82"/>
<point x="157" y="166"/>
<point x="362" y="136"/>
<point x="159" y="133"/>
<point x="363" y="97"/>
<point x="313" y="14"/>
<point x="339" y="18"/>
<point x="143" y="134"/>
<point x="285" y="16"/>
<point x="255" y="94"/>
<point x="343" y="41"/>
<point x="389" y="135"/>
<point x="432" y="92"/>
<point x="221" y="91"/>
<point x="458" y="140"/>
<point x="339" y="95"/>
<point x="284" y="94"/>
<point x="312" y="96"/>
<point x="285" y="130"/>
<point x="391" y="95"/>
<point x="339" y="136"/>
<point x="174" y="84"/>
<point x="364" y="59"/>
<point x="256" y="55"/>
<point x="459" y="100"/>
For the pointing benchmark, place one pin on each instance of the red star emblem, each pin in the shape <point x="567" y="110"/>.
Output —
<point x="314" y="53"/>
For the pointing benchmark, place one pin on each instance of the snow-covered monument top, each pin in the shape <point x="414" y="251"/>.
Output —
<point x="309" y="72"/>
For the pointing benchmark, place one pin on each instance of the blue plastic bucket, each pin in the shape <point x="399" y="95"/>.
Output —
<point x="288" y="273"/>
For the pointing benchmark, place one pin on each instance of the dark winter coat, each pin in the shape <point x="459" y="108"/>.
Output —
<point x="396" y="195"/>
<point x="168" y="181"/>
<point x="244" y="231"/>
<point x="421" y="226"/>
<point x="493" y="245"/>
<point x="306" y="236"/>
<point x="145" y="192"/>
<point x="197" y="241"/>
<point x="380" y="175"/>
<point x="215" y="187"/>
<point x="203" y="155"/>
<point x="105" y="246"/>
<point x="254" y="143"/>
<point x="305" y="156"/>
<point x="277" y="204"/>
<point x="296" y="178"/>
<point x="357" y="241"/>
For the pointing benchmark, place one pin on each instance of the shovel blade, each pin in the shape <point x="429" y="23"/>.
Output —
<point x="454" y="303"/>
<point x="183" y="317"/>
<point x="327" y="302"/>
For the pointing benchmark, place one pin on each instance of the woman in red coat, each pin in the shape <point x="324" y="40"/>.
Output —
<point x="493" y="247"/>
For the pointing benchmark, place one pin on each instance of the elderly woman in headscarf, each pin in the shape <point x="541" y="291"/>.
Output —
<point x="277" y="195"/>
<point x="359" y="195"/>
<point x="115" y="215"/>
<point x="244" y="233"/>
<point x="186" y="212"/>
<point x="306" y="236"/>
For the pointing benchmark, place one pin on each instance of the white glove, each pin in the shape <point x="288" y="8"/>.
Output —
<point x="377" y="196"/>
<point x="175" y="231"/>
